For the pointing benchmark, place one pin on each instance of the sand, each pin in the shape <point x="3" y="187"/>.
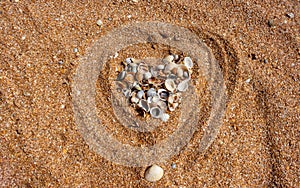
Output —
<point x="257" y="45"/>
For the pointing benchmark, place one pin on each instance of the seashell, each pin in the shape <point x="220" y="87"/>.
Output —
<point x="176" y="57"/>
<point x="155" y="81"/>
<point x="186" y="74"/>
<point x="169" y="67"/>
<point x="163" y="94"/>
<point x="183" y="86"/>
<point x="160" y="67"/>
<point x="129" y="78"/>
<point x="172" y="106"/>
<point x="139" y="76"/>
<point x="126" y="92"/>
<point x="155" y="99"/>
<point x="155" y="112"/>
<point x="134" y="99"/>
<point x="165" y="117"/>
<point x="179" y="72"/>
<point x="168" y="59"/>
<point x="172" y="76"/>
<point x="170" y="85"/>
<point x="153" y="72"/>
<point x="137" y="86"/>
<point x="149" y="100"/>
<point x="128" y="60"/>
<point x="143" y="68"/>
<point x="133" y="60"/>
<point x="151" y="92"/>
<point x="174" y="98"/>
<point x="188" y="62"/>
<point x="121" y="75"/>
<point x="147" y="75"/>
<point x="140" y="94"/>
<point x="132" y="68"/>
<point x="144" y="105"/>
<point x="121" y="85"/>
<point x="154" y="173"/>
<point x="162" y="104"/>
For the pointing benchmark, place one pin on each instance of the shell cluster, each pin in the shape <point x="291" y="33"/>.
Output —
<point x="155" y="89"/>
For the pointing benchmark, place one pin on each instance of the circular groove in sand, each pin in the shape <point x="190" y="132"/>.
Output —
<point x="84" y="92"/>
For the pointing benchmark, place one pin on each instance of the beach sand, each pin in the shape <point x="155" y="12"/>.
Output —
<point x="257" y="45"/>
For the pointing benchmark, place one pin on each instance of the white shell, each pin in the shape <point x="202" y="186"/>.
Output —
<point x="147" y="75"/>
<point x="121" y="75"/>
<point x="160" y="67"/>
<point x="132" y="67"/>
<point x="179" y="72"/>
<point x="169" y="67"/>
<point x="163" y="105"/>
<point x="174" y="98"/>
<point x="168" y="59"/>
<point x="155" y="112"/>
<point x="144" y="105"/>
<point x="154" y="173"/>
<point x="170" y="85"/>
<point x="176" y="57"/>
<point x="134" y="99"/>
<point x="163" y="94"/>
<point x="143" y="68"/>
<point x="186" y="74"/>
<point x="165" y="117"/>
<point x="151" y="92"/>
<point x="183" y="86"/>
<point x="188" y="62"/>
<point x="172" y="106"/>
<point x="128" y="60"/>
<point x="155" y="98"/>
<point x="140" y="94"/>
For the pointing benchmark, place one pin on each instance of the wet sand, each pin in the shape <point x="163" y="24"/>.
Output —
<point x="257" y="45"/>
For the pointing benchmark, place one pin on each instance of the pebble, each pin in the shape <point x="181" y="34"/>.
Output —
<point x="154" y="173"/>
<point x="248" y="80"/>
<point x="75" y="50"/>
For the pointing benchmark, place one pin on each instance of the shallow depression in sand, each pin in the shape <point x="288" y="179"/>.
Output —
<point x="84" y="95"/>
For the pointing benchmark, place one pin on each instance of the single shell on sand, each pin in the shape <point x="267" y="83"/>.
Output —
<point x="154" y="173"/>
